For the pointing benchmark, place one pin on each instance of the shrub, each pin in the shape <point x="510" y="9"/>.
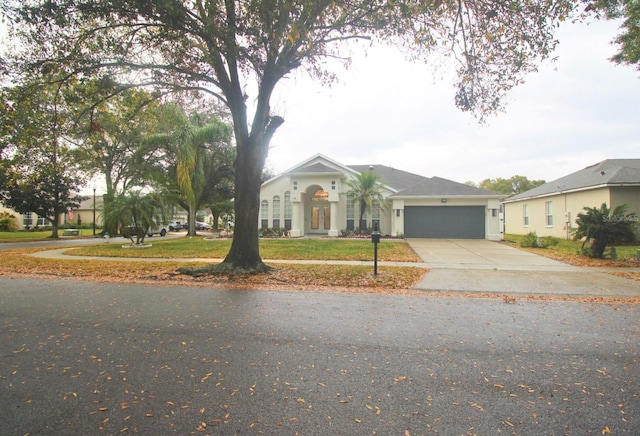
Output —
<point x="531" y="240"/>
<point x="7" y="222"/>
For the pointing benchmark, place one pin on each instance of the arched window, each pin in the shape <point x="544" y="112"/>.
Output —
<point x="264" y="214"/>
<point x="320" y="195"/>
<point x="276" y="211"/>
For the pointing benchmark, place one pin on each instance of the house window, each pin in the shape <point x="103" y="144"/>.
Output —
<point x="276" y="212"/>
<point x="287" y="210"/>
<point x="363" y="222"/>
<point x="375" y="215"/>
<point x="333" y="185"/>
<point x="350" y="215"/>
<point x="27" y="219"/>
<point x="525" y="215"/>
<point x="264" y="214"/>
<point x="295" y="185"/>
<point x="548" y="207"/>
<point x="42" y="221"/>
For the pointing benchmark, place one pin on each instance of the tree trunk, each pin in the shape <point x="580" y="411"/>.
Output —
<point x="598" y="246"/>
<point x="192" y="221"/>
<point x="245" y="251"/>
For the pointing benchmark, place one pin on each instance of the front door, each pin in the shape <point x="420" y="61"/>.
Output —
<point x="320" y="218"/>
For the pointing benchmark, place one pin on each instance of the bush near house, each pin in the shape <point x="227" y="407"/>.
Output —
<point x="599" y="227"/>
<point x="532" y="240"/>
<point x="7" y="222"/>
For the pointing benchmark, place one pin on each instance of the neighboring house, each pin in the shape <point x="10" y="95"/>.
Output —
<point x="82" y="215"/>
<point x="85" y="213"/>
<point x="30" y="220"/>
<point x="551" y="209"/>
<point x="311" y="199"/>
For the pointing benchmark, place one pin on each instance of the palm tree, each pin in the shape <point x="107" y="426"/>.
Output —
<point x="188" y="143"/>
<point x="136" y="213"/>
<point x="601" y="226"/>
<point x="366" y="189"/>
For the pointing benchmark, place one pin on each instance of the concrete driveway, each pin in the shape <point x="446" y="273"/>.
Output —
<point x="463" y="265"/>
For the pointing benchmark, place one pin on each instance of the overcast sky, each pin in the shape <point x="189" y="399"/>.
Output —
<point x="384" y="110"/>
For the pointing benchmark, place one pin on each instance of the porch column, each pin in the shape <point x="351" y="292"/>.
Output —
<point x="296" y="219"/>
<point x="333" y="231"/>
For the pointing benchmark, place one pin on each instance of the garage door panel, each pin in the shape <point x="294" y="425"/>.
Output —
<point x="451" y="222"/>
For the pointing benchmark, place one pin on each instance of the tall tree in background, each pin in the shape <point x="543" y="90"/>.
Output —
<point x="511" y="186"/>
<point x="628" y="40"/>
<point x="38" y="172"/>
<point x="232" y="49"/>
<point x="109" y="133"/>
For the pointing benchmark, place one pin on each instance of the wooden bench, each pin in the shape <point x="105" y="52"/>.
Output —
<point x="71" y="232"/>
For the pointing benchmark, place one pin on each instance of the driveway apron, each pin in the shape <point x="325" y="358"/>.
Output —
<point x="464" y="265"/>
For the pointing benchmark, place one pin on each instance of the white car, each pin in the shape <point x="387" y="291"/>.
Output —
<point x="162" y="231"/>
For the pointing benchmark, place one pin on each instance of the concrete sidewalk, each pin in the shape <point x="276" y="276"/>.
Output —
<point x="458" y="265"/>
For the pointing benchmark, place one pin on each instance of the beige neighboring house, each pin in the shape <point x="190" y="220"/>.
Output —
<point x="311" y="199"/>
<point x="551" y="209"/>
<point x="82" y="215"/>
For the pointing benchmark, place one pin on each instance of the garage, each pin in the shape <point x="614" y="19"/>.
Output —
<point x="445" y="222"/>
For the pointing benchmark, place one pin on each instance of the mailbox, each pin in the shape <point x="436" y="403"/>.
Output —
<point x="375" y="237"/>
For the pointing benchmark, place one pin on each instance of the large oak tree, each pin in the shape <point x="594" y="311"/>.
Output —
<point x="238" y="51"/>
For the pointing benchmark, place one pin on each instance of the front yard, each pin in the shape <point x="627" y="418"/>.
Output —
<point x="343" y="278"/>
<point x="567" y="251"/>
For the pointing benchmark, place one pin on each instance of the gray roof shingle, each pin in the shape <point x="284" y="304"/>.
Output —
<point x="391" y="177"/>
<point x="437" y="186"/>
<point x="608" y="172"/>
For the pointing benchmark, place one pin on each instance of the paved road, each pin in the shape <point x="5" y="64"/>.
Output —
<point x="90" y="358"/>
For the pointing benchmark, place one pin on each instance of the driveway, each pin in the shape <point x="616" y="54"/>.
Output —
<point x="475" y="265"/>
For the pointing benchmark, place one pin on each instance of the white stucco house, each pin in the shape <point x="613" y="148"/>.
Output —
<point x="311" y="199"/>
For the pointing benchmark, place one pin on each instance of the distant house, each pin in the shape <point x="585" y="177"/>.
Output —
<point x="311" y="199"/>
<point x="82" y="215"/>
<point x="551" y="209"/>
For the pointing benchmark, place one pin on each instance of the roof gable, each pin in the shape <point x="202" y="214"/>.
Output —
<point x="609" y="172"/>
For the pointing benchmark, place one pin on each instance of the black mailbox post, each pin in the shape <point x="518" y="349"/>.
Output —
<point x="375" y="239"/>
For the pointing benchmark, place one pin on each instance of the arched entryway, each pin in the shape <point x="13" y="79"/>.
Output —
<point x="317" y="211"/>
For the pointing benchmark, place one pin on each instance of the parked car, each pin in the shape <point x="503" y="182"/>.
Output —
<point x="162" y="231"/>
<point x="202" y="226"/>
<point x="175" y="226"/>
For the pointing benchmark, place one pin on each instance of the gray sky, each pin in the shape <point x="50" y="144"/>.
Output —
<point x="385" y="110"/>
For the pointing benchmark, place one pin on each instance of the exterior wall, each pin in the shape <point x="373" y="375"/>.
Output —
<point x="82" y="215"/>
<point x="20" y="219"/>
<point x="301" y="188"/>
<point x="629" y="195"/>
<point x="566" y="207"/>
<point x="492" y="212"/>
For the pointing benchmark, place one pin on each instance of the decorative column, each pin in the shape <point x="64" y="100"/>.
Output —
<point x="333" y="231"/>
<point x="297" y="219"/>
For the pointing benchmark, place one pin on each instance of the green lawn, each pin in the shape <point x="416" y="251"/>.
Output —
<point x="570" y="248"/>
<point x="35" y="236"/>
<point x="301" y="249"/>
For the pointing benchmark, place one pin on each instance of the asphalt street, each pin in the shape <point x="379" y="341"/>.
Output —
<point x="93" y="358"/>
